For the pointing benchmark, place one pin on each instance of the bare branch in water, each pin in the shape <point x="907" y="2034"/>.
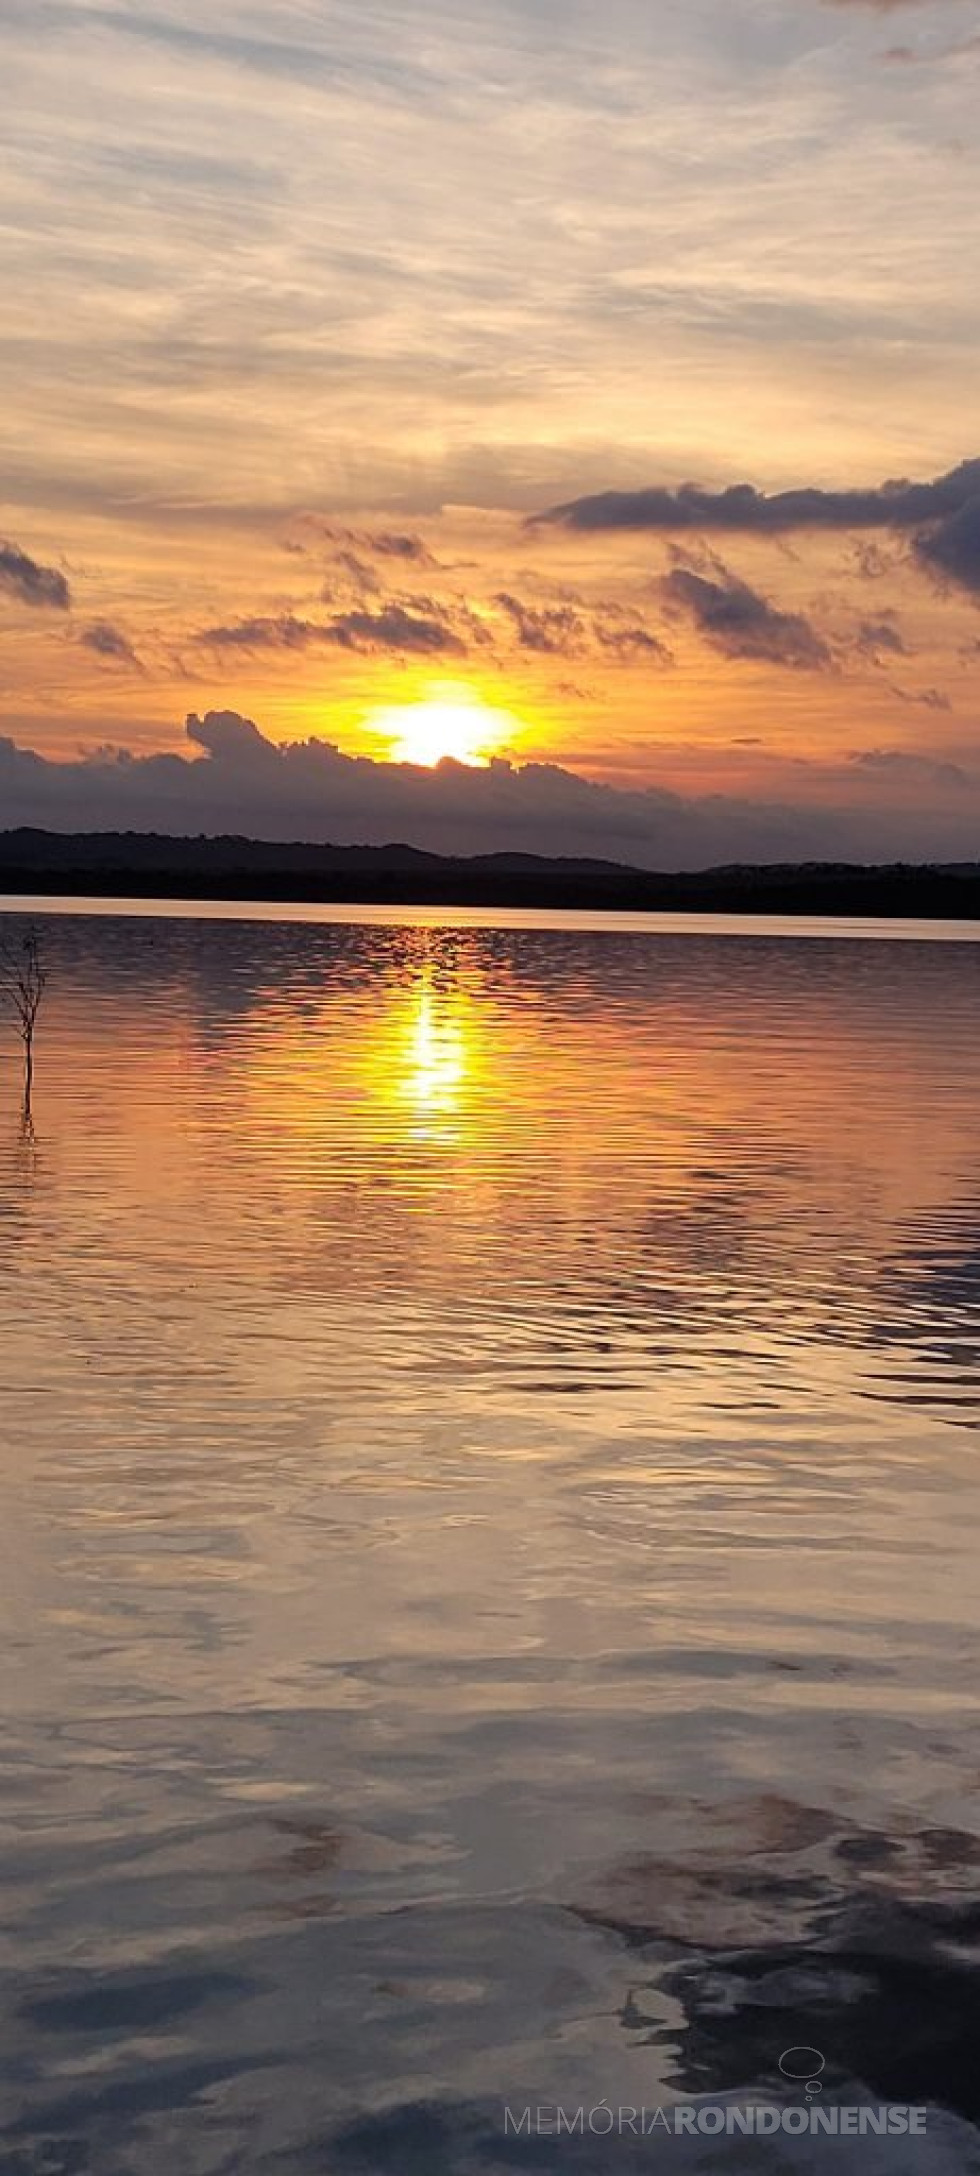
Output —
<point x="23" y="979"/>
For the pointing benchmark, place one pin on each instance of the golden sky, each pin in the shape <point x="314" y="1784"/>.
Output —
<point x="310" y="320"/>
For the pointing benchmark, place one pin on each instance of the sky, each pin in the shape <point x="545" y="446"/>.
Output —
<point x="506" y="423"/>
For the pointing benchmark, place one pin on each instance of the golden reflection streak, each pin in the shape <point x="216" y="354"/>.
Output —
<point x="438" y="1056"/>
<point x="420" y="1067"/>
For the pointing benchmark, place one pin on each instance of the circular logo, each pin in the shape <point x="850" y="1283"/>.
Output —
<point x="804" y="2066"/>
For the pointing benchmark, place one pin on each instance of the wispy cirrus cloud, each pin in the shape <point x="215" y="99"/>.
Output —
<point x="884" y="7"/>
<point x="204" y="233"/>
<point x="310" y="532"/>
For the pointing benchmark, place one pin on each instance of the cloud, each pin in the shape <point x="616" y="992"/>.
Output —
<point x="744" y="510"/>
<point x="426" y="626"/>
<point x="569" y="629"/>
<point x="952" y="549"/>
<point x="874" y="562"/>
<point x="283" y="632"/>
<point x="22" y="577"/>
<point x="741" y="623"/>
<point x="911" y="56"/>
<point x="233" y="779"/>
<point x="925" y="698"/>
<point x="943" y="516"/>
<point x="873" y="636"/>
<point x="109" y="642"/>
<point x="632" y="641"/>
<point x="555" y="630"/>
<point x="226" y="733"/>
<point x="881" y="7"/>
<point x="359" y="572"/>
<point x="391" y="544"/>
<point x="401" y="545"/>
<point x="393" y="627"/>
<point x="221" y="192"/>
<point x="902" y="763"/>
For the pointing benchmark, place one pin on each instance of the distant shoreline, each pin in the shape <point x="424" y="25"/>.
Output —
<point x="151" y="866"/>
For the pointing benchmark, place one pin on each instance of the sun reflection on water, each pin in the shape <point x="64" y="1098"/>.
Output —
<point x="437" y="1057"/>
<point x="417" y="1060"/>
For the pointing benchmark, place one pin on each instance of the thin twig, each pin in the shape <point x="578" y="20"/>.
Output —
<point x="23" y="979"/>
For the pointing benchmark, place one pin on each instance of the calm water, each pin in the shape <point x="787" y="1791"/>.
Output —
<point x="489" y="1517"/>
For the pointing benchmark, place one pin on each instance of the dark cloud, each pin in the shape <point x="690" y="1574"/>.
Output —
<point x="555" y="630"/>
<point x="401" y="545"/>
<point x="283" y="632"/>
<point x="952" y="549"/>
<point x="235" y="780"/>
<point x="943" y="517"/>
<point x="874" y="636"/>
<point x="226" y="733"/>
<point x="568" y="629"/>
<point x="741" y="623"/>
<point x="632" y="641"/>
<point x="23" y="578"/>
<point x="742" y="509"/>
<point x="426" y="626"/>
<point x="925" y="698"/>
<point x="392" y="544"/>
<point x="393" y="627"/>
<point x="902" y="763"/>
<point x="874" y="562"/>
<point x="109" y="642"/>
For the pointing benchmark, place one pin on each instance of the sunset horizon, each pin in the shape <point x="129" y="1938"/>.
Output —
<point x="582" y="370"/>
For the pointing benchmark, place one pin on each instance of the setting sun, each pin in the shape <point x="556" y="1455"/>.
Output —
<point x="453" y="722"/>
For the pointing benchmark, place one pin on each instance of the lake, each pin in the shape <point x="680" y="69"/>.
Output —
<point x="489" y="1515"/>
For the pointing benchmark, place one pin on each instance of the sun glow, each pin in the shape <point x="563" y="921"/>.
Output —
<point x="452" y="723"/>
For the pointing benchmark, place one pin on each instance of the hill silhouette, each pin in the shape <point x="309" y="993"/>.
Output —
<point x="151" y="865"/>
